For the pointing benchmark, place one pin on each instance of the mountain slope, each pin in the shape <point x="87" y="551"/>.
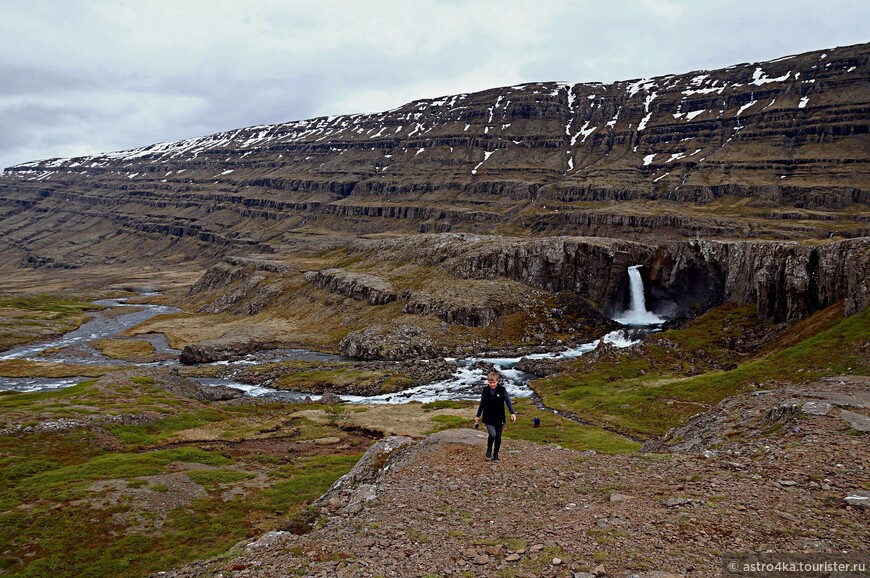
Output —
<point x="775" y="149"/>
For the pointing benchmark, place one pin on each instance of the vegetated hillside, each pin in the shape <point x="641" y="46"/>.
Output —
<point x="649" y="388"/>
<point x="774" y="149"/>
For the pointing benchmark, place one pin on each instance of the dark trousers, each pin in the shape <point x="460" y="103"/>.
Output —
<point x="493" y="442"/>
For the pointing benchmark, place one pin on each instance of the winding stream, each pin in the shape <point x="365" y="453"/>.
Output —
<point x="99" y="327"/>
<point x="75" y="348"/>
<point x="465" y="383"/>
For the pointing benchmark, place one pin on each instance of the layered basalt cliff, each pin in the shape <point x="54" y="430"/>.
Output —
<point x="594" y="268"/>
<point x="775" y="149"/>
<point x="561" y="286"/>
<point x="786" y="280"/>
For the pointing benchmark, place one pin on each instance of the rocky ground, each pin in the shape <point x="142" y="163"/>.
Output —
<point x="781" y="471"/>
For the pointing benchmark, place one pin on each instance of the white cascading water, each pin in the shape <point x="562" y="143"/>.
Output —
<point x="637" y="313"/>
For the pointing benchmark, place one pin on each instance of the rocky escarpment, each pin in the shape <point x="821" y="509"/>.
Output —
<point x="563" y="288"/>
<point x="477" y="309"/>
<point x="786" y="280"/>
<point x="591" y="267"/>
<point x="774" y="149"/>
<point x="243" y="286"/>
<point x="360" y="286"/>
<point x="451" y="312"/>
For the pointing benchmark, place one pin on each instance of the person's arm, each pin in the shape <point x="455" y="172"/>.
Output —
<point x="507" y="399"/>
<point x="480" y="407"/>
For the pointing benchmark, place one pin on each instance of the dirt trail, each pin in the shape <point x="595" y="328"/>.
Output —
<point x="437" y="508"/>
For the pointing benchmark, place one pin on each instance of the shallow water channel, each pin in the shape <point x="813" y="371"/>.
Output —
<point x="75" y="348"/>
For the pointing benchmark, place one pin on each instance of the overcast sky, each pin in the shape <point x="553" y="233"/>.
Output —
<point x="82" y="77"/>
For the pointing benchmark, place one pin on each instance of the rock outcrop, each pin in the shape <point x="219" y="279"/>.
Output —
<point x="360" y="286"/>
<point x="786" y="280"/>
<point x="451" y="312"/>
<point x="392" y="343"/>
<point x="189" y="388"/>
<point x="742" y="419"/>
<point x="209" y="352"/>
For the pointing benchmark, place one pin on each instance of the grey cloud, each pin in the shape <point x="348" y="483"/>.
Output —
<point x="20" y="80"/>
<point x="68" y="81"/>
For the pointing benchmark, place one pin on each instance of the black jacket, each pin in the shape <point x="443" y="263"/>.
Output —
<point x="492" y="403"/>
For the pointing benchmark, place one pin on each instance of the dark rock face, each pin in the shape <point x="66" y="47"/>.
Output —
<point x="786" y="280"/>
<point x="789" y="135"/>
<point x="457" y="314"/>
<point x="360" y="286"/>
<point x="584" y="266"/>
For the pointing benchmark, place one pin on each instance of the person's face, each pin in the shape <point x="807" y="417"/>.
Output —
<point x="493" y="382"/>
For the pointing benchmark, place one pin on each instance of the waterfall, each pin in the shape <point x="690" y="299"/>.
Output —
<point x="637" y="313"/>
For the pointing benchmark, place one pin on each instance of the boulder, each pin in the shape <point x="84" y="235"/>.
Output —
<point x="393" y="343"/>
<point x="222" y="351"/>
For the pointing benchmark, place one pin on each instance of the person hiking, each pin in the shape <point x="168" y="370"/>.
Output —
<point x="492" y="401"/>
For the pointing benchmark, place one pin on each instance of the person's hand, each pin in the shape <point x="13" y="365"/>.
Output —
<point x="513" y="417"/>
<point x="477" y="420"/>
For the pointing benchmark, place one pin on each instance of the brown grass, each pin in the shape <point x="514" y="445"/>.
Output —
<point x="137" y="350"/>
<point x="25" y="368"/>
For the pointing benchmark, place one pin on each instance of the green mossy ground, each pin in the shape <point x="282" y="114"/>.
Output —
<point x="28" y="318"/>
<point x="683" y="372"/>
<point x="554" y="429"/>
<point x="563" y="432"/>
<point x="28" y="368"/>
<point x="53" y="521"/>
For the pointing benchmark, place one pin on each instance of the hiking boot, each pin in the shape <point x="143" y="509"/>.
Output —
<point x="495" y="458"/>
<point x="488" y="454"/>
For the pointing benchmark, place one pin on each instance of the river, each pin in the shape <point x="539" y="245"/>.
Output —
<point x="75" y="348"/>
